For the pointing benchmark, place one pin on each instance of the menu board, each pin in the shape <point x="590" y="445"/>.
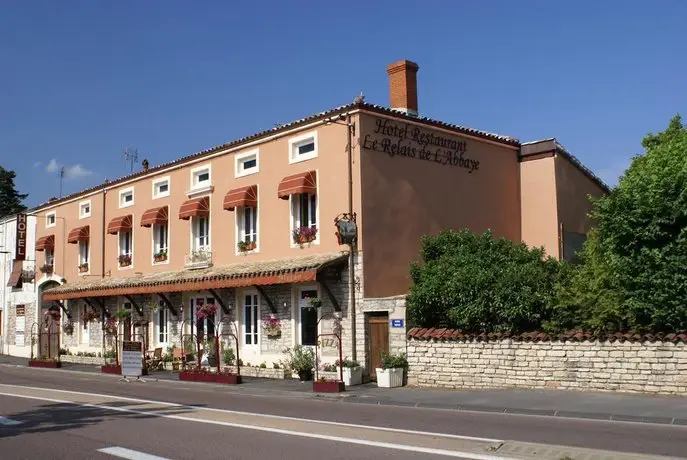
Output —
<point x="132" y="359"/>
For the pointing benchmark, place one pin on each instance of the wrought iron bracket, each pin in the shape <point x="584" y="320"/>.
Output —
<point x="329" y="293"/>
<point x="135" y="305"/>
<point x="168" y="304"/>
<point x="219" y="301"/>
<point x="61" y="305"/>
<point x="264" y="295"/>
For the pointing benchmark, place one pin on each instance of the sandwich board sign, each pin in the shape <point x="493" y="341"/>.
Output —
<point x="132" y="360"/>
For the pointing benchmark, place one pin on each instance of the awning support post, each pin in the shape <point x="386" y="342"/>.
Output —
<point x="136" y="306"/>
<point x="264" y="295"/>
<point x="219" y="301"/>
<point x="61" y="305"/>
<point x="168" y="304"/>
<point x="330" y="295"/>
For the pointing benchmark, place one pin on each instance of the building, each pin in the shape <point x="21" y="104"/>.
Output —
<point x="18" y="310"/>
<point x="253" y="226"/>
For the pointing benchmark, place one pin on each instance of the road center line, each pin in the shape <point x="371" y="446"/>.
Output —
<point x="121" y="452"/>
<point x="8" y="421"/>
<point x="349" y="440"/>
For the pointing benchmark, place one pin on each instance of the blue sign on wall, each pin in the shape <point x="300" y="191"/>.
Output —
<point x="396" y="323"/>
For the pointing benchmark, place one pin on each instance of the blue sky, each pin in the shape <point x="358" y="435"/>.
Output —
<point x="81" y="80"/>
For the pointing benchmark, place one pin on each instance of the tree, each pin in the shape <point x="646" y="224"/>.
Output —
<point x="10" y="199"/>
<point x="633" y="273"/>
<point x="478" y="283"/>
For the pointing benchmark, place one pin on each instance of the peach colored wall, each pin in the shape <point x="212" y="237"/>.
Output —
<point x="274" y="225"/>
<point x="573" y="188"/>
<point x="404" y="198"/>
<point x="539" y="204"/>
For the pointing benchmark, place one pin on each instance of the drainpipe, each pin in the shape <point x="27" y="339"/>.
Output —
<point x="351" y="254"/>
<point x="102" y="272"/>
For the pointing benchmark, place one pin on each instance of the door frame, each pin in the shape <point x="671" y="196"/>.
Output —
<point x="297" y="314"/>
<point x="378" y="317"/>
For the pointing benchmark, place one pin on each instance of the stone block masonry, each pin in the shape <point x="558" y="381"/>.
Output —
<point x="634" y="365"/>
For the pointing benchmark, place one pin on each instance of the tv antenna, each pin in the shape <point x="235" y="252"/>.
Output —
<point x="131" y="155"/>
<point x="60" y="175"/>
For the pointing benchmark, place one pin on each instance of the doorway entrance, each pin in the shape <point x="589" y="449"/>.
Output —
<point x="378" y="333"/>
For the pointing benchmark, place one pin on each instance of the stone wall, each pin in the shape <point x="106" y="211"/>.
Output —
<point x="82" y="360"/>
<point x="396" y="308"/>
<point x="626" y="366"/>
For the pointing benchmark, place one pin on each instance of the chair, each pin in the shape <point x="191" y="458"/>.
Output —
<point x="155" y="361"/>
<point x="177" y="358"/>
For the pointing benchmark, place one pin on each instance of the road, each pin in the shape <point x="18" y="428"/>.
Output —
<point x="54" y="414"/>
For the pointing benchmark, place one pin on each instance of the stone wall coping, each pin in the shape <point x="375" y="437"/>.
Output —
<point x="456" y="335"/>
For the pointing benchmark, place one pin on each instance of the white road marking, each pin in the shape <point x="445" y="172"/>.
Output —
<point x="121" y="452"/>
<point x="8" y="421"/>
<point x="365" y="442"/>
<point x="251" y="414"/>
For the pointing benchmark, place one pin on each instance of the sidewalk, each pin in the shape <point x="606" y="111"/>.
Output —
<point x="552" y="403"/>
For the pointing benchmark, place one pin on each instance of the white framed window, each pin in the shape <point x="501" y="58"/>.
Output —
<point x="201" y="233"/>
<point x="307" y="317"/>
<point x="125" y="243"/>
<point x="161" y="187"/>
<point x="84" y="252"/>
<point x="246" y="163"/>
<point x="201" y="177"/>
<point x="304" y="212"/>
<point x="205" y="326"/>
<point x="250" y="315"/>
<point x="126" y="197"/>
<point x="85" y="209"/>
<point x="49" y="257"/>
<point x="161" y="243"/>
<point x="161" y="324"/>
<point x="85" y="336"/>
<point x="303" y="147"/>
<point x="247" y="225"/>
<point x="50" y="219"/>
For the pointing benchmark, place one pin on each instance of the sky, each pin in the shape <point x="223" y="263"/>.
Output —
<point x="82" y="80"/>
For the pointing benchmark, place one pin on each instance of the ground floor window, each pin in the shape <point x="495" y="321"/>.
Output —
<point x="202" y="327"/>
<point x="308" y="317"/>
<point x="250" y="319"/>
<point x="162" y="333"/>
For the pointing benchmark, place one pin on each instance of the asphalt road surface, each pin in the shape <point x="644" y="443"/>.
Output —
<point x="52" y="415"/>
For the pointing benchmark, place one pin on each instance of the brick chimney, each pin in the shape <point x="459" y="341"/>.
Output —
<point x="403" y="86"/>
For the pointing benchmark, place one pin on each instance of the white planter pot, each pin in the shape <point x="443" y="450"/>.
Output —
<point x="390" y="378"/>
<point x="352" y="375"/>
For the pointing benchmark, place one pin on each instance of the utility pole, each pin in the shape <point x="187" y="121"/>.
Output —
<point x="60" y="174"/>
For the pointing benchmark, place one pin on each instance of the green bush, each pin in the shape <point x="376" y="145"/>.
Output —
<point x="478" y="283"/>
<point x="394" y="361"/>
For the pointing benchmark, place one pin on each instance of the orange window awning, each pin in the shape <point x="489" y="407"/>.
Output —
<point x="79" y="234"/>
<point x="196" y="207"/>
<point x="119" y="224"/>
<point x="15" y="276"/>
<point x="244" y="196"/>
<point x="155" y="216"/>
<point x="298" y="183"/>
<point x="45" y="242"/>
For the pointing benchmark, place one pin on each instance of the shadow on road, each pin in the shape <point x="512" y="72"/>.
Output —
<point x="61" y="416"/>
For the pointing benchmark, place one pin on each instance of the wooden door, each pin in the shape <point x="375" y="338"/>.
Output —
<point x="379" y="342"/>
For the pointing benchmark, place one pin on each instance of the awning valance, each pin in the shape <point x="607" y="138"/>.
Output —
<point x="298" y="183"/>
<point x="244" y="196"/>
<point x="15" y="276"/>
<point x="119" y="224"/>
<point x="79" y="234"/>
<point x="301" y="269"/>
<point x="155" y="216"/>
<point x="45" y="242"/>
<point x="196" y="207"/>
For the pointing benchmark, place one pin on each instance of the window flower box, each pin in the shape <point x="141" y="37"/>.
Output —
<point x="160" y="256"/>
<point x="124" y="260"/>
<point x="202" y="376"/>
<point x="111" y="369"/>
<point x="304" y="235"/>
<point x="328" y="386"/>
<point x="46" y="363"/>
<point x="46" y="268"/>
<point x="246" y="246"/>
<point x="83" y="268"/>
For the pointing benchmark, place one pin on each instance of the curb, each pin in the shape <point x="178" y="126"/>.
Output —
<point x="357" y="399"/>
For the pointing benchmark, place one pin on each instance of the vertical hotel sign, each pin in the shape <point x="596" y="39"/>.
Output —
<point x="20" y="249"/>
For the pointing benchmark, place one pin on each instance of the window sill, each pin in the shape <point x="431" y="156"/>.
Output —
<point x="164" y="262"/>
<point x="126" y="205"/>
<point x="315" y="242"/>
<point x="301" y="158"/>
<point x="158" y="197"/>
<point x="246" y="173"/>
<point x="84" y="217"/>
<point x="247" y="253"/>
<point x="200" y="190"/>
<point x="128" y="267"/>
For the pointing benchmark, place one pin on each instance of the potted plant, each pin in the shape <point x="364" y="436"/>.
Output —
<point x="46" y="268"/>
<point x="301" y="360"/>
<point x="210" y="352"/>
<point x="245" y="246"/>
<point x="124" y="260"/>
<point x="123" y="315"/>
<point x="304" y="235"/>
<point x="272" y="327"/>
<point x="228" y="356"/>
<point x="352" y="372"/>
<point x="90" y="315"/>
<point x="68" y="328"/>
<point x="160" y="256"/>
<point x="390" y="375"/>
<point x="83" y="268"/>
<point x="323" y="385"/>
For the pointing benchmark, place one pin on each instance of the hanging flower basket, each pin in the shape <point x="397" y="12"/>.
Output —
<point x="272" y="327"/>
<point x="206" y="311"/>
<point x="111" y="326"/>
<point x="90" y="315"/>
<point x="314" y="302"/>
<point x="68" y="328"/>
<point x="304" y="235"/>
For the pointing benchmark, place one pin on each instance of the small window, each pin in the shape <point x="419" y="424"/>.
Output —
<point x="161" y="188"/>
<point x="246" y="163"/>
<point x="50" y="220"/>
<point x="126" y="198"/>
<point x="303" y="147"/>
<point x="201" y="233"/>
<point x="201" y="178"/>
<point x="85" y="209"/>
<point x="160" y="248"/>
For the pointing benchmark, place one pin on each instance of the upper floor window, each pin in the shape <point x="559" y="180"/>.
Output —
<point x="200" y="177"/>
<point x="85" y="209"/>
<point x="125" y="246"/>
<point x="49" y="257"/>
<point x="304" y="217"/>
<point x="160" y="247"/>
<point x="303" y="147"/>
<point x="201" y="233"/>
<point x="84" y="253"/>
<point x="50" y="219"/>
<point x="126" y="198"/>
<point x="246" y="163"/>
<point x="161" y="187"/>
<point x="247" y="220"/>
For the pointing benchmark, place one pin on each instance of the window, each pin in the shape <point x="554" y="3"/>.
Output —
<point x="304" y="210"/>
<point x="49" y="257"/>
<point x="308" y="317"/>
<point x="250" y="319"/>
<point x="201" y="233"/>
<point x="125" y="246"/>
<point x="162" y="335"/>
<point x="204" y="327"/>
<point x="50" y="220"/>
<point x="246" y="163"/>
<point x="126" y="198"/>
<point x="200" y="177"/>
<point x="303" y="147"/>
<point x="160" y="241"/>
<point x="161" y="187"/>
<point x="85" y="209"/>
<point x="83" y="252"/>
<point x="248" y="224"/>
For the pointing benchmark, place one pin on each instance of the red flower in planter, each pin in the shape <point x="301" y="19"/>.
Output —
<point x="206" y="311"/>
